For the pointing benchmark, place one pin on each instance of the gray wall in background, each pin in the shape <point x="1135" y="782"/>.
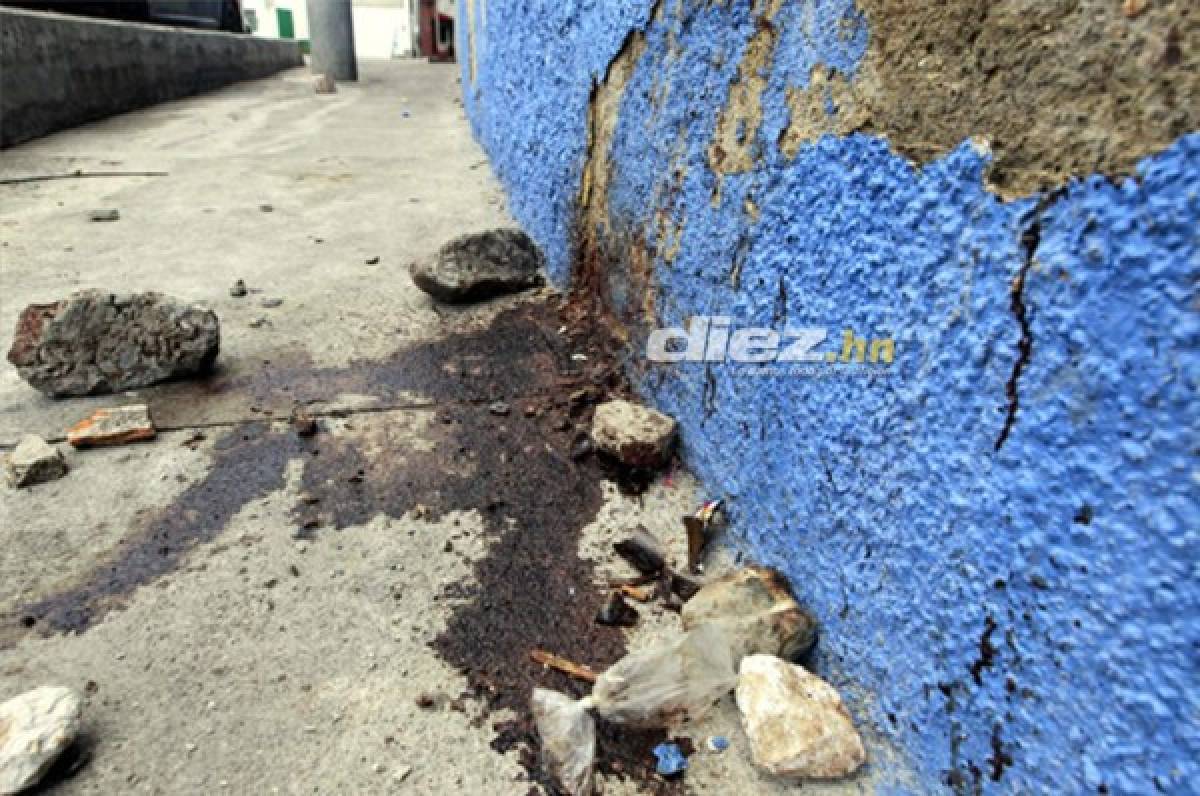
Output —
<point x="58" y="71"/>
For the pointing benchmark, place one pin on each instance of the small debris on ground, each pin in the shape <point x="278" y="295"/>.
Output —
<point x="98" y="342"/>
<point x="35" y="729"/>
<point x="33" y="461"/>
<point x="499" y="408"/>
<point x="671" y="761"/>
<point x="700" y="527"/>
<point x="266" y="208"/>
<point x="117" y="426"/>
<point x="616" y="612"/>
<point x="304" y="424"/>
<point x="634" y="435"/>
<point x="717" y="744"/>
<point x="796" y="722"/>
<point x="642" y="551"/>
<point x="552" y="661"/>
<point x="324" y="84"/>
<point x="481" y="266"/>
<point x="425" y="701"/>
<point x="105" y="214"/>
<point x="238" y="290"/>
<point x="642" y="594"/>
<point x="259" y="322"/>
<point x="1134" y="8"/>
<point x="372" y="260"/>
<point x="271" y="303"/>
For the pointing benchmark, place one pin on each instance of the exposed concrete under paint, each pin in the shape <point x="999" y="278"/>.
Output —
<point x="60" y="71"/>
<point x="1059" y="89"/>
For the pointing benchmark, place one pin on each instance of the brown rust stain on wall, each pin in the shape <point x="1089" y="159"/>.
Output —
<point x="734" y="148"/>
<point x="1059" y="88"/>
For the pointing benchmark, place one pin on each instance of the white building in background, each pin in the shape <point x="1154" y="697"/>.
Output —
<point x="382" y="28"/>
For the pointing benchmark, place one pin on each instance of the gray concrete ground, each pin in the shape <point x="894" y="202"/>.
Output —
<point x="259" y="663"/>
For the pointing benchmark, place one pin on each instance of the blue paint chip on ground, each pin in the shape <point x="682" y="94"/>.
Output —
<point x="670" y="759"/>
<point x="718" y="743"/>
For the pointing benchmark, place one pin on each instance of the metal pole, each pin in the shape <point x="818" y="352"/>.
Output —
<point x="331" y="36"/>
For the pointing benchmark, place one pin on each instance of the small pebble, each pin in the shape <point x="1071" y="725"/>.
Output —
<point x="238" y="290"/>
<point x="108" y="214"/>
<point x="499" y="408"/>
<point x="270" y="303"/>
<point x="266" y="208"/>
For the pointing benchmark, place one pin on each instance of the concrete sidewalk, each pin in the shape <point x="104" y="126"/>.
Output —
<point x="247" y="612"/>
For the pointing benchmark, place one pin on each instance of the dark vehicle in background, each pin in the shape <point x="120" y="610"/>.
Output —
<point x="206" y="14"/>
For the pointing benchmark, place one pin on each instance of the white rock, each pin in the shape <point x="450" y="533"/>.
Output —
<point x="637" y="436"/>
<point x="35" y="728"/>
<point x="34" y="461"/>
<point x="796" y="722"/>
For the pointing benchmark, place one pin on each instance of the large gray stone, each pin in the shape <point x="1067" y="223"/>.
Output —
<point x="796" y="722"/>
<point x="480" y="266"/>
<point x="35" y="728"/>
<point x="97" y="342"/>
<point x="33" y="461"/>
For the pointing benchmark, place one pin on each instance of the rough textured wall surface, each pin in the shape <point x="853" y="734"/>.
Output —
<point x="1000" y="529"/>
<point x="61" y="71"/>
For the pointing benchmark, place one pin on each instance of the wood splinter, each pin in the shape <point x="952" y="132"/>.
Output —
<point x="552" y="661"/>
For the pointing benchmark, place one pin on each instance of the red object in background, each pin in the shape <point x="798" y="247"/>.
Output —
<point x="436" y="32"/>
<point x="427" y="19"/>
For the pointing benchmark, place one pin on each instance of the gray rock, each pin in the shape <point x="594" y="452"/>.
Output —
<point x="796" y="722"/>
<point x="107" y="214"/>
<point x="97" y="342"/>
<point x="35" y="728"/>
<point x="755" y="608"/>
<point x="634" y="435"/>
<point x="481" y="266"/>
<point x="34" y="461"/>
<point x="239" y="289"/>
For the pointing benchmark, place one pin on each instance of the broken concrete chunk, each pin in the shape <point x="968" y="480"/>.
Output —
<point x="481" y="266"/>
<point x="755" y="608"/>
<point x="634" y="435"/>
<point x="35" y="728"/>
<point x="118" y="426"/>
<point x="34" y="461"/>
<point x="97" y="342"/>
<point x="796" y="722"/>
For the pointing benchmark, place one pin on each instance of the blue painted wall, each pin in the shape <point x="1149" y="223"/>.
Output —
<point x="1021" y="620"/>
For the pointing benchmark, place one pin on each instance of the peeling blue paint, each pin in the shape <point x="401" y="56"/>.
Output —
<point x="1039" y="602"/>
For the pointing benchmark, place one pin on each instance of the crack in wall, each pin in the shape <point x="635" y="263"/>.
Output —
<point x="1031" y="238"/>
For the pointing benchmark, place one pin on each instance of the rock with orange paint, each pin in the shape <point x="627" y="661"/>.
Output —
<point x="117" y="426"/>
<point x="99" y="342"/>
<point x="796" y="722"/>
